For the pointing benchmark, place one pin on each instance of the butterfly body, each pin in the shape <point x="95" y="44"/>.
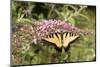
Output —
<point x="61" y="39"/>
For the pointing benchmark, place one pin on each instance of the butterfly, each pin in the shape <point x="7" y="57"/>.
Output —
<point x="61" y="39"/>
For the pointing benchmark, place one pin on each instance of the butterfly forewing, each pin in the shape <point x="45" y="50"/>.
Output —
<point x="54" y="38"/>
<point x="68" y="37"/>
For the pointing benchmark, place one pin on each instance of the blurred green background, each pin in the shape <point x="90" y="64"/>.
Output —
<point x="26" y="13"/>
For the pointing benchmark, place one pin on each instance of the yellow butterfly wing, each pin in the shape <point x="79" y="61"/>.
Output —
<point x="54" y="38"/>
<point x="61" y="42"/>
<point x="68" y="37"/>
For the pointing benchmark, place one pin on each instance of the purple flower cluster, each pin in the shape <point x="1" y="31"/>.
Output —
<point x="52" y="26"/>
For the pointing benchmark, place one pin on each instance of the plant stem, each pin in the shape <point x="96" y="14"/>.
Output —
<point x="52" y="7"/>
<point x="63" y="51"/>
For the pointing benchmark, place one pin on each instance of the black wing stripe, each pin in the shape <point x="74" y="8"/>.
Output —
<point x="66" y="34"/>
<point x="49" y="36"/>
<point x="72" y="34"/>
<point x="56" y="35"/>
<point x="52" y="35"/>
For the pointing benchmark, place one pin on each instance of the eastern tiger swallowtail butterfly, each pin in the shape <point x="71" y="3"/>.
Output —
<point x="61" y="40"/>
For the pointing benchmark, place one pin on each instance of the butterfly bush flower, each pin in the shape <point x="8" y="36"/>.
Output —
<point x="46" y="27"/>
<point x="52" y="26"/>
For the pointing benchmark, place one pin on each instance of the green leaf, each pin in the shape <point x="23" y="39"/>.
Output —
<point x="31" y="53"/>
